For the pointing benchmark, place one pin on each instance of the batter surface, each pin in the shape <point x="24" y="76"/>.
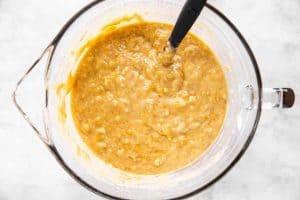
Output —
<point x="140" y="114"/>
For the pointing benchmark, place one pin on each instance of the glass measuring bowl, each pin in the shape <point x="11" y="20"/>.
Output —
<point x="246" y="99"/>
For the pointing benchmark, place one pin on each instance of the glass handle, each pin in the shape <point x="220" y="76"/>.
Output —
<point x="30" y="93"/>
<point x="278" y="98"/>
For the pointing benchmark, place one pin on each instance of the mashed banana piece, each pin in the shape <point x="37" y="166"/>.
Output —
<point x="139" y="115"/>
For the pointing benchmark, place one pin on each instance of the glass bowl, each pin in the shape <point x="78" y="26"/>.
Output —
<point x="58" y="61"/>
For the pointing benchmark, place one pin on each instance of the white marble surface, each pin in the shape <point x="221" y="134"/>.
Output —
<point x="269" y="170"/>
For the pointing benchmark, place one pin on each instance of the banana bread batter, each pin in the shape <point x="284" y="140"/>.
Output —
<point x="137" y="113"/>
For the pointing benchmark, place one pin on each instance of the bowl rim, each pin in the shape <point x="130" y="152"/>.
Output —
<point x="89" y="187"/>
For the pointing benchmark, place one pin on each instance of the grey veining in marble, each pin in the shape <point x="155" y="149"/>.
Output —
<point x="270" y="169"/>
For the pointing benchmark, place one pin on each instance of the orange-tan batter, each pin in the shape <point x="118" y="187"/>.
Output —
<point x="140" y="114"/>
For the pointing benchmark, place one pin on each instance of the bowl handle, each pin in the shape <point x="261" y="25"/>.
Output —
<point x="281" y="98"/>
<point x="27" y="88"/>
<point x="278" y="98"/>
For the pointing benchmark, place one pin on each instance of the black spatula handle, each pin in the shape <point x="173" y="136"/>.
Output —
<point x="185" y="21"/>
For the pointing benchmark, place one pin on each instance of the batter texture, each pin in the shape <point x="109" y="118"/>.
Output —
<point x="138" y="113"/>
